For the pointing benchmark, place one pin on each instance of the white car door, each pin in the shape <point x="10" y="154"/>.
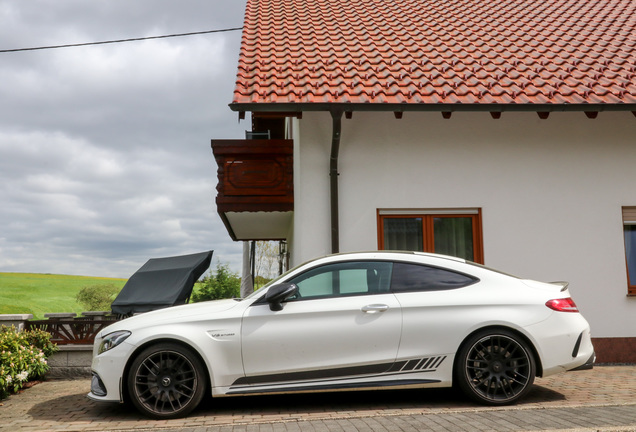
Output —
<point x="344" y="323"/>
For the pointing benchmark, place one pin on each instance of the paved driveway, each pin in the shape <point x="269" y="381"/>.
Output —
<point x="601" y="399"/>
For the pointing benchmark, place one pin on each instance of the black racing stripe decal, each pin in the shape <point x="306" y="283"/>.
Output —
<point x="397" y="366"/>
<point x="426" y="364"/>
<point x="375" y="369"/>
<point x="411" y="364"/>
<point x="438" y="362"/>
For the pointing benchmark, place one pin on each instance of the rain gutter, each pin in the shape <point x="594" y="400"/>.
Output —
<point x="336" y="117"/>
<point x="455" y="107"/>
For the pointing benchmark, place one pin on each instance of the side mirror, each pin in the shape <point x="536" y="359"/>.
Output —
<point x="277" y="294"/>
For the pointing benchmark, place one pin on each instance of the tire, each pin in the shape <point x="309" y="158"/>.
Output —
<point x="495" y="367"/>
<point x="166" y="381"/>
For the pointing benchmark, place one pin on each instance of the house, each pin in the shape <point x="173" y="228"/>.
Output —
<point x="502" y="132"/>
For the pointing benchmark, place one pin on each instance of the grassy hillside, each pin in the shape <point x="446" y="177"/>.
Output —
<point x="38" y="294"/>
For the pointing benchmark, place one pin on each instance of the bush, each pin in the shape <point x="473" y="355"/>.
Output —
<point x="42" y="340"/>
<point x="260" y="281"/>
<point x="224" y="284"/>
<point x="97" y="297"/>
<point x="22" y="357"/>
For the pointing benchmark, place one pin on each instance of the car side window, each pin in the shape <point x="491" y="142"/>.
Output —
<point x="415" y="277"/>
<point x="344" y="279"/>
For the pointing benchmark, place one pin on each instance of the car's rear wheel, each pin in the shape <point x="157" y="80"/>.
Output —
<point x="495" y="367"/>
<point x="166" y="381"/>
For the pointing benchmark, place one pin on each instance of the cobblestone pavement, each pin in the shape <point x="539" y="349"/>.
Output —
<point x="602" y="399"/>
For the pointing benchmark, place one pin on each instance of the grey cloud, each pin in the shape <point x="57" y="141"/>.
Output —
<point x="104" y="151"/>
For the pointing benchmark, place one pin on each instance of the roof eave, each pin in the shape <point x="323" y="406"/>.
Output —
<point x="369" y="107"/>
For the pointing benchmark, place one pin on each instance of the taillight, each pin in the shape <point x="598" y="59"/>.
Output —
<point x="562" y="305"/>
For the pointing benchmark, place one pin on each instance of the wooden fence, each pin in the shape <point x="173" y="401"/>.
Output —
<point x="67" y="330"/>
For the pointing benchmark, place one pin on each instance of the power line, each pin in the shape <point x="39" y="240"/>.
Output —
<point x="121" y="40"/>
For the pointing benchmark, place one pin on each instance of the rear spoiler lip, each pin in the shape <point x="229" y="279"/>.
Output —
<point x="589" y="364"/>
<point x="564" y="285"/>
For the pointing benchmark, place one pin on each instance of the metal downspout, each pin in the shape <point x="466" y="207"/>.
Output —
<point x="336" y="116"/>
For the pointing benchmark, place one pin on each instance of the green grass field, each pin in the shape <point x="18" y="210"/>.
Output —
<point x="37" y="294"/>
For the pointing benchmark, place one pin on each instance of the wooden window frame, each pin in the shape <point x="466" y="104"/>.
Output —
<point x="628" y="218"/>
<point x="428" y="216"/>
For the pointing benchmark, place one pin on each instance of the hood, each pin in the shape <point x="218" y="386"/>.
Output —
<point x="171" y="314"/>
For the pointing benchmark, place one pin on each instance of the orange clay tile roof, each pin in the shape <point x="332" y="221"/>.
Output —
<point x="430" y="53"/>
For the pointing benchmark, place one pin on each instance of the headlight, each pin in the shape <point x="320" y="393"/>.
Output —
<point x="113" y="339"/>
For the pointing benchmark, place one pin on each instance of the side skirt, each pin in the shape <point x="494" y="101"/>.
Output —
<point x="405" y="373"/>
<point x="333" y="387"/>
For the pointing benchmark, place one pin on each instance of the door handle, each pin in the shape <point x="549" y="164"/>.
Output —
<point x="375" y="308"/>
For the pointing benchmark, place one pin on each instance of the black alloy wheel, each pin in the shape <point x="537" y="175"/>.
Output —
<point x="495" y="368"/>
<point x="166" y="381"/>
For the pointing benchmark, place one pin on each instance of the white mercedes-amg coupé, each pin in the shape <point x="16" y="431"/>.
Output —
<point x="373" y="320"/>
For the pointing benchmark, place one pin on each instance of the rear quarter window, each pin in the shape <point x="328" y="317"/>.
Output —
<point x="415" y="277"/>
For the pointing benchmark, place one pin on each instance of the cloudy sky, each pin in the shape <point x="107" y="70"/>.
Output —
<point x="105" y="156"/>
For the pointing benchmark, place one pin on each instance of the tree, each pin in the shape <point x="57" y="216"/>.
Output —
<point x="97" y="297"/>
<point x="221" y="285"/>
<point x="266" y="261"/>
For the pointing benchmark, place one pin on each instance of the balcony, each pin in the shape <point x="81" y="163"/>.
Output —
<point x="255" y="191"/>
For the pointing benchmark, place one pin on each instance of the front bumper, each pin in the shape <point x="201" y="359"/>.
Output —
<point x="107" y="369"/>
<point x="99" y="392"/>
<point x="98" y="389"/>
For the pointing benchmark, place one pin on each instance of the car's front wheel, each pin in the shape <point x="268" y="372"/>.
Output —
<point x="166" y="381"/>
<point x="495" y="367"/>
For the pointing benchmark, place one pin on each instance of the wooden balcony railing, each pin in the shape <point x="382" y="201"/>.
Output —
<point x="254" y="175"/>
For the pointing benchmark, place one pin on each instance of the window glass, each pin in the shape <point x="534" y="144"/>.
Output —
<point x="403" y="234"/>
<point x="353" y="281"/>
<point x="344" y="279"/>
<point x="318" y="285"/>
<point x="629" y="232"/>
<point x="630" y="252"/>
<point x="414" y="277"/>
<point x="454" y="236"/>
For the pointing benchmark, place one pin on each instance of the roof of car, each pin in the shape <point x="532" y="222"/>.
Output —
<point x="384" y="254"/>
<point x="431" y="54"/>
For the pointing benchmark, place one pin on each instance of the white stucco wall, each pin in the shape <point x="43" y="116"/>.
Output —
<point x="550" y="191"/>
